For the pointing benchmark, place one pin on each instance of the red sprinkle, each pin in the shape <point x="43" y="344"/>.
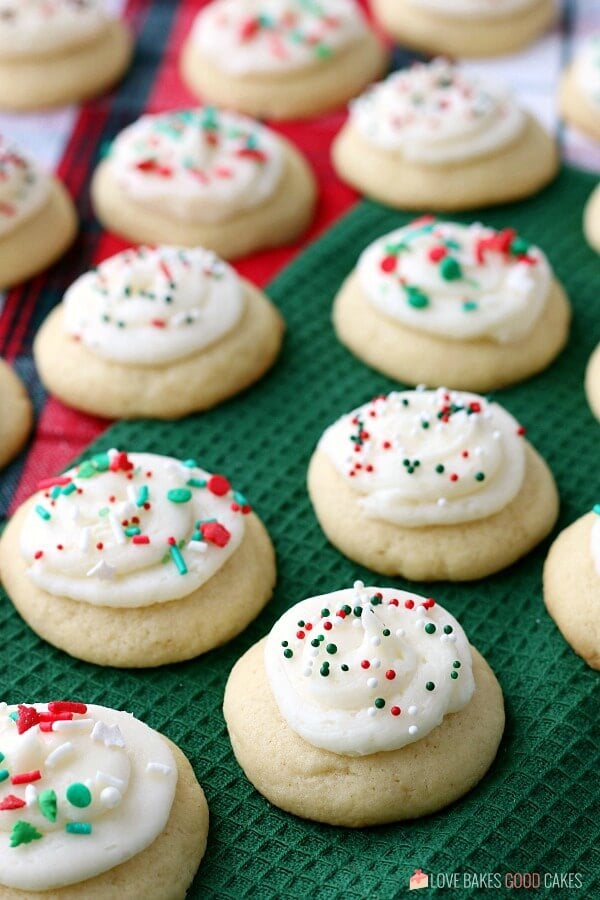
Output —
<point x="215" y="533"/>
<point x="390" y="674"/>
<point x="437" y="253"/>
<point x="27" y="718"/>
<point x="61" y="480"/>
<point x="300" y="635"/>
<point x="67" y="706"/>
<point x="393" y="602"/>
<point x="409" y="604"/>
<point x="12" y="802"/>
<point x="120" y="462"/>
<point x="365" y="664"/>
<point x="218" y="484"/>
<point x="26" y="777"/>
<point x="38" y="554"/>
<point x="327" y="626"/>
<point x="388" y="264"/>
<point x="308" y="626"/>
<point x="429" y="603"/>
<point x="395" y="710"/>
<point x="140" y="539"/>
<point x="521" y="430"/>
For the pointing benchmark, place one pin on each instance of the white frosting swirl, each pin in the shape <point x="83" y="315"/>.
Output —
<point x="428" y="457"/>
<point x="23" y="187"/>
<point x="244" y="36"/>
<point x="39" y="27"/>
<point x="433" y="114"/>
<point x="595" y="539"/>
<point x="151" y="306"/>
<point x="367" y="670"/>
<point x="477" y="9"/>
<point x="587" y="70"/>
<point x="131" y="531"/>
<point x="458" y="281"/>
<point x="81" y="792"/>
<point x="197" y="165"/>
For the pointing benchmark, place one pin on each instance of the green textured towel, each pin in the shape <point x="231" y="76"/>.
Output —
<point x="537" y="810"/>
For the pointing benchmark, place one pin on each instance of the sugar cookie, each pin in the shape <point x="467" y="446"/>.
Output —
<point x="17" y="414"/>
<point x="204" y="177"/>
<point x="572" y="585"/>
<point x="591" y="220"/>
<point x="431" y="485"/>
<point x="363" y="707"/>
<point x="137" y="560"/>
<point x="95" y="804"/>
<point x="157" y="332"/>
<point x="54" y="52"/>
<point x="592" y="382"/>
<point x="37" y="217"/>
<point x="463" y="305"/>
<point x="281" y="59"/>
<point x="466" y="27"/>
<point x="431" y="137"/>
<point x="579" y="96"/>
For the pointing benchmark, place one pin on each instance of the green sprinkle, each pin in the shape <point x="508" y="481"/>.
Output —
<point x="430" y="628"/>
<point x="69" y="489"/>
<point x="470" y="305"/>
<point x="178" y="560"/>
<point x="375" y="601"/>
<point x="4" y="773"/>
<point x="42" y="513"/>
<point x="23" y="833"/>
<point x="386" y="632"/>
<point x="288" y="653"/>
<point x="321" y="638"/>
<point x="324" y="670"/>
<point x="142" y="496"/>
<point x="47" y="801"/>
<point x="439" y="468"/>
<point x="54" y="493"/>
<point x="344" y="667"/>
<point x="190" y="463"/>
<point x="456" y="664"/>
<point x="325" y="612"/>
<point x="285" y="644"/>
<point x="479" y="476"/>
<point x="104" y="511"/>
<point x="179" y="495"/>
<point x="196" y="482"/>
<point x="346" y="609"/>
<point x="101" y="462"/>
<point x="596" y="509"/>
<point x="314" y="643"/>
<point x="79" y="795"/>
<point x="379" y="702"/>
<point x="415" y="297"/>
<point x="519" y="246"/>
<point x="78" y="828"/>
<point x="450" y="269"/>
<point x="424" y="424"/>
<point x="86" y="470"/>
<point x="357" y="611"/>
<point x="454" y="675"/>
<point x="301" y="623"/>
<point x="1" y="756"/>
<point x="448" y="629"/>
<point x="331" y="648"/>
<point x="323" y="51"/>
<point x="14" y="716"/>
<point x="430" y="686"/>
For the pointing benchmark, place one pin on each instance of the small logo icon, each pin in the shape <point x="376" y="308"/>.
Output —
<point x="418" y="880"/>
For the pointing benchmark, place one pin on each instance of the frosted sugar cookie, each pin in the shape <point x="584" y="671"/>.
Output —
<point x="137" y="560"/>
<point x="281" y="58"/>
<point x="204" y="177"/>
<point x="465" y="27"/>
<point x="431" y="137"/>
<point x="462" y="305"/>
<point x="37" y="217"/>
<point x="580" y="90"/>
<point x="431" y="485"/>
<point x="54" y="52"/>
<point x="591" y="220"/>
<point x="592" y="382"/>
<point x="16" y="414"/>
<point x="95" y="804"/>
<point x="572" y="585"/>
<point x="157" y="332"/>
<point x="363" y="707"/>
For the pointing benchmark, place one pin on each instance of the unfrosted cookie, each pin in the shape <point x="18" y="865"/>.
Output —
<point x="462" y="305"/>
<point x="579" y="97"/>
<point x="572" y="585"/>
<point x="16" y="414"/>
<point x="431" y="485"/>
<point x="95" y="804"/>
<point x="54" y="52"/>
<point x="203" y="177"/>
<point x="363" y="707"/>
<point x="465" y="27"/>
<point x="37" y="217"/>
<point x="137" y="560"/>
<point x="591" y="220"/>
<point x="281" y="59"/>
<point x="431" y="137"/>
<point x="157" y="332"/>
<point x="592" y="382"/>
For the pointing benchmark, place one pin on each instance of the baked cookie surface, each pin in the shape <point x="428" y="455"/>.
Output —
<point x="58" y="52"/>
<point x="137" y="560"/>
<point x="204" y="177"/>
<point x="157" y="332"/>
<point x="430" y="137"/>
<point x="465" y="27"/>
<point x="579" y="97"/>
<point x="366" y="706"/>
<point x="441" y="303"/>
<point x="572" y="585"/>
<point x="96" y="804"/>
<point x="592" y="382"/>
<point x="37" y="217"/>
<point x="591" y="220"/>
<point x="431" y="485"/>
<point x="281" y="60"/>
<point x="17" y="414"/>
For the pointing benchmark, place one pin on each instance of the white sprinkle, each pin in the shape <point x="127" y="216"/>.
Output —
<point x="400" y="632"/>
<point x="73" y="512"/>
<point x="376" y="663"/>
<point x="112" y="453"/>
<point x="198" y="546"/>
<point x="359" y="585"/>
<point x="84" y="539"/>
<point x="72" y="725"/>
<point x="372" y="682"/>
<point x="110" y="797"/>
<point x="155" y="768"/>
<point x="307" y="672"/>
<point x="412" y="729"/>
<point x="444" y="638"/>
<point x="421" y="387"/>
<point x="376" y="641"/>
<point x="132" y="493"/>
<point x="412" y="710"/>
<point x="103" y="778"/>
<point x="420" y="623"/>
<point x="109" y="735"/>
<point x="371" y="711"/>
<point x="102" y="570"/>
<point x="117" y="530"/>
<point x="31" y="795"/>
<point x="478" y="451"/>
<point x="356" y="623"/>
<point x="452" y="638"/>
<point x="441" y="501"/>
<point x="496" y="435"/>
<point x="314" y="651"/>
<point x="127" y="509"/>
<point x="57" y="755"/>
